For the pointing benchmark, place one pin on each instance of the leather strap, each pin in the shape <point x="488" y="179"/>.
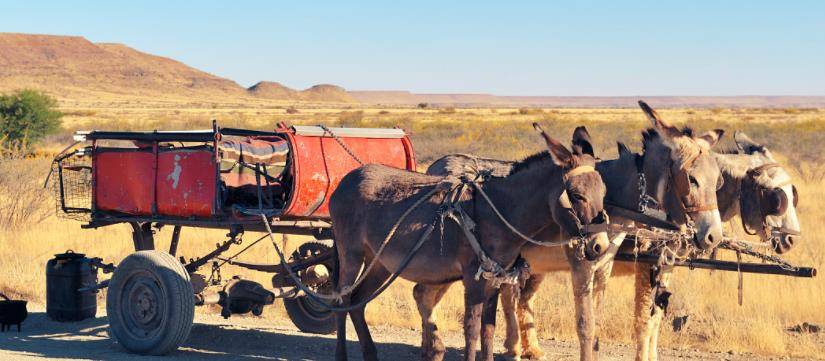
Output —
<point x="617" y="210"/>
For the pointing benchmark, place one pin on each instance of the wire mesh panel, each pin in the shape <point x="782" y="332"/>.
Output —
<point x="71" y="186"/>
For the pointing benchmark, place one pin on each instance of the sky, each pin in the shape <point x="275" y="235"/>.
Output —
<point x="586" y="48"/>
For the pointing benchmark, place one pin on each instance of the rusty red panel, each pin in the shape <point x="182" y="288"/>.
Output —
<point x="186" y="183"/>
<point x="125" y="182"/>
<point x="319" y="163"/>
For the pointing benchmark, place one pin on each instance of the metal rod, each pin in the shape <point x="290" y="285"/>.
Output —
<point x="173" y="246"/>
<point x="805" y="272"/>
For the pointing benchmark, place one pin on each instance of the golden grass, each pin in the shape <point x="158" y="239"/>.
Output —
<point x="716" y="322"/>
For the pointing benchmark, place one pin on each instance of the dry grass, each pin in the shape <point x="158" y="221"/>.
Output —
<point x="716" y="322"/>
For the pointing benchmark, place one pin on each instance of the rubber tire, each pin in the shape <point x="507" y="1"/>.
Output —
<point x="298" y="309"/>
<point x="176" y="300"/>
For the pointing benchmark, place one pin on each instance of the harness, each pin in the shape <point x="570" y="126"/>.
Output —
<point x="673" y="241"/>
<point x="491" y="270"/>
<point x="750" y="182"/>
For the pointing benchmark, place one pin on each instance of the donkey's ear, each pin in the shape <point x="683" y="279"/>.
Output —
<point x="664" y="128"/>
<point x="623" y="149"/>
<point x="560" y="155"/>
<point x="745" y="144"/>
<point x="582" y="142"/>
<point x="712" y="137"/>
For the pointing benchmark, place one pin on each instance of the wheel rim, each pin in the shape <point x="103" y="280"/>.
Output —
<point x="142" y="308"/>
<point x="310" y="307"/>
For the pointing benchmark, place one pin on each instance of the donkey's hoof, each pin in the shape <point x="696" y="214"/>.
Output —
<point x="533" y="353"/>
<point x="508" y="357"/>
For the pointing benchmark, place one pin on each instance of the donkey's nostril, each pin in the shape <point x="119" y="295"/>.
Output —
<point x="711" y="238"/>
<point x="790" y="240"/>
<point x="597" y="248"/>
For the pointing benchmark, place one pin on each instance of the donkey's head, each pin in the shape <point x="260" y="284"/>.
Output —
<point x="579" y="209"/>
<point x="767" y="199"/>
<point x="687" y="189"/>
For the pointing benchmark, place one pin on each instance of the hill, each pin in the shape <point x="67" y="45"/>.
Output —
<point x="317" y="93"/>
<point x="72" y="67"/>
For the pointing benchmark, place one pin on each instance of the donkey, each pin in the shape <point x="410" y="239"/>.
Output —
<point x="752" y="180"/>
<point x="665" y="149"/>
<point x="559" y="187"/>
<point x="760" y="191"/>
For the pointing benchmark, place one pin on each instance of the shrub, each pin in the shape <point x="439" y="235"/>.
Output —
<point x="23" y="202"/>
<point x="423" y="105"/>
<point x="27" y="116"/>
<point x="350" y="118"/>
<point x="291" y="110"/>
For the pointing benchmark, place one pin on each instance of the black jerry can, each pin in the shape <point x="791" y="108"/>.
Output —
<point x="65" y="274"/>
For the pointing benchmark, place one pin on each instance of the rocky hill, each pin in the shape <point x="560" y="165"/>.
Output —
<point x="71" y="67"/>
<point x="317" y="93"/>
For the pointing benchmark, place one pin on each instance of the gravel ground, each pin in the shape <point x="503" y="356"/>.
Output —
<point x="251" y="338"/>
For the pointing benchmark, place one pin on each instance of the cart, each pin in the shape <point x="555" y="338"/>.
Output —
<point x="217" y="178"/>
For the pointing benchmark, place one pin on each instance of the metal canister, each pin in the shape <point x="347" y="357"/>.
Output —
<point x="66" y="273"/>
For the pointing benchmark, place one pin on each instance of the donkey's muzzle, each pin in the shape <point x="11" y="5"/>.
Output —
<point x="783" y="242"/>
<point x="597" y="245"/>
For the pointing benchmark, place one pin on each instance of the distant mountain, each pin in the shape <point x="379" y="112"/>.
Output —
<point x="408" y="98"/>
<point x="317" y="93"/>
<point x="75" y="68"/>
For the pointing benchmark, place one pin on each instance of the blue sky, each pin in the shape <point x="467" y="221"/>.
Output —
<point x="517" y="48"/>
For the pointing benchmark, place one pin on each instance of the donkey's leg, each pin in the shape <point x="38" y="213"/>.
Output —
<point x="642" y="317"/>
<point x="600" y="279"/>
<point x="473" y="308"/>
<point x="509" y="302"/>
<point x="657" y="320"/>
<point x="377" y="276"/>
<point x="427" y="298"/>
<point x="488" y="323"/>
<point x="582" y="276"/>
<point x="527" y="326"/>
<point x="349" y="263"/>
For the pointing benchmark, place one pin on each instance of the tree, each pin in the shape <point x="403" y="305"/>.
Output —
<point x="27" y="116"/>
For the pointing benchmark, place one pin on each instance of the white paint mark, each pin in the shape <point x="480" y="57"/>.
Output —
<point x="175" y="175"/>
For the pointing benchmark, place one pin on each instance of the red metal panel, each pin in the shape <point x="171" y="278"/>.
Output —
<point x="186" y="183"/>
<point x="124" y="180"/>
<point x="319" y="163"/>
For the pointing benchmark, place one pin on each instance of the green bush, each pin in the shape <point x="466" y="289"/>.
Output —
<point x="27" y="116"/>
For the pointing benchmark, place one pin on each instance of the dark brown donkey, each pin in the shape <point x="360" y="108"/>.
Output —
<point x="560" y="187"/>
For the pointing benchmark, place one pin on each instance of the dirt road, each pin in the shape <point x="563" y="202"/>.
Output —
<point x="252" y="338"/>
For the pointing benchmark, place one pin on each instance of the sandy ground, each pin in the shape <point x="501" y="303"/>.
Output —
<point x="251" y="338"/>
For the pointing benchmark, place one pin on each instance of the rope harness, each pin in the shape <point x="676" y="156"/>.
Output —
<point x="769" y="201"/>
<point x="450" y="208"/>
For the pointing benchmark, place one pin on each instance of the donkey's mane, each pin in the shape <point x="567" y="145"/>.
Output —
<point x="529" y="161"/>
<point x="651" y="135"/>
<point x="728" y="150"/>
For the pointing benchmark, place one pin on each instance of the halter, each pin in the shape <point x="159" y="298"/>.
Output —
<point x="751" y="181"/>
<point x="683" y="194"/>
<point x="582" y="230"/>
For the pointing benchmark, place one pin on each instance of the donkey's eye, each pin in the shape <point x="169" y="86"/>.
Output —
<point x="579" y="197"/>
<point x="693" y="182"/>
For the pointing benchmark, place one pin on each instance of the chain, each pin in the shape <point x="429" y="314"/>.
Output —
<point x="746" y="249"/>
<point x="341" y="142"/>
<point x="643" y="200"/>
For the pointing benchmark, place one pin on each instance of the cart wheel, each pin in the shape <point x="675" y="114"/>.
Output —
<point x="150" y="303"/>
<point x="307" y="314"/>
